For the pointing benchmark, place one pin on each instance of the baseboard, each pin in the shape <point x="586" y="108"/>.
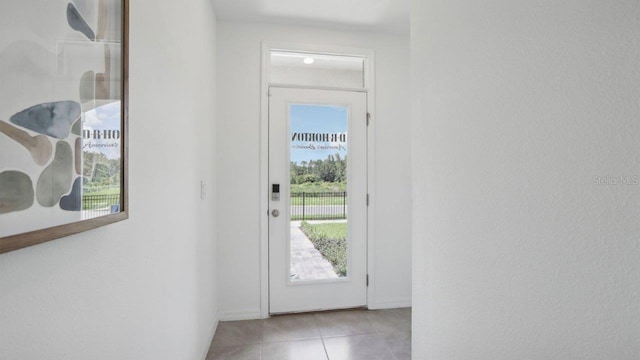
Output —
<point x="212" y="333"/>
<point x="390" y="304"/>
<point x="249" y="314"/>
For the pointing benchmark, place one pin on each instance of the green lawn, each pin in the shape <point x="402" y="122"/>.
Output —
<point x="103" y="191"/>
<point x="318" y="200"/>
<point x="107" y="197"/>
<point x="331" y="240"/>
<point x="317" y="217"/>
<point x="323" y="187"/>
<point x="319" y="187"/>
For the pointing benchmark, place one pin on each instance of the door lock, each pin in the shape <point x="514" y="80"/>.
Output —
<point x="275" y="212"/>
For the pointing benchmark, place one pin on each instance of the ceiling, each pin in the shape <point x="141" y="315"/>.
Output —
<point x="389" y="16"/>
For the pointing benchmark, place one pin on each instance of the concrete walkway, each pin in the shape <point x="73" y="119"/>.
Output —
<point x="306" y="261"/>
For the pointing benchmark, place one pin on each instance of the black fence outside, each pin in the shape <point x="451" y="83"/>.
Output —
<point x="319" y="205"/>
<point x="99" y="205"/>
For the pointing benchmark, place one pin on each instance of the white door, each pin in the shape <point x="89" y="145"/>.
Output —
<point x="318" y="199"/>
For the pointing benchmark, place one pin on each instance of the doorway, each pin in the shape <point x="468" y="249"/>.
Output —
<point x="317" y="252"/>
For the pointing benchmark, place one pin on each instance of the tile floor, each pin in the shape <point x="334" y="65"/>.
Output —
<point x="334" y="335"/>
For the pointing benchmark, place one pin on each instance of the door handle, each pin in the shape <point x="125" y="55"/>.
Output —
<point x="275" y="212"/>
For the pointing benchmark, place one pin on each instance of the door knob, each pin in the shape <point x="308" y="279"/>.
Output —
<point x="275" y="212"/>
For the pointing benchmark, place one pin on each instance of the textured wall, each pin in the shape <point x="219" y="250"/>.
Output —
<point x="524" y="113"/>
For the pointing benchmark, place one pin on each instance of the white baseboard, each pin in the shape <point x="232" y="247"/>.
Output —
<point x="212" y="333"/>
<point x="249" y="314"/>
<point x="390" y="304"/>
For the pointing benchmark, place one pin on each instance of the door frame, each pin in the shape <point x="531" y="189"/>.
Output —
<point x="369" y="87"/>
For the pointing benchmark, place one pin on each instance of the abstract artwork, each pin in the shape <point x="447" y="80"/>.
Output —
<point x="63" y="118"/>
<point x="16" y="191"/>
<point x="52" y="119"/>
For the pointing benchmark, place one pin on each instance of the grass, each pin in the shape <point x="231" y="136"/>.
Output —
<point x="322" y="187"/>
<point x="94" y="203"/>
<point x="331" y="240"/>
<point x="317" y="217"/>
<point x="102" y="191"/>
<point x="319" y="187"/>
<point x="319" y="200"/>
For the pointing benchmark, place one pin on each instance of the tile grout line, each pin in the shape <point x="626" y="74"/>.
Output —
<point x="382" y="334"/>
<point x="291" y="340"/>
<point x="324" y="346"/>
<point x="315" y="321"/>
<point x="388" y="348"/>
<point x="374" y="332"/>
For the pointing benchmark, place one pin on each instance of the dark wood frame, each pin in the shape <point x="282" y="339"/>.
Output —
<point x="19" y="241"/>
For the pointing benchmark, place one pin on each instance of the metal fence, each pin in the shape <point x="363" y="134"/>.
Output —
<point x="319" y="205"/>
<point x="99" y="205"/>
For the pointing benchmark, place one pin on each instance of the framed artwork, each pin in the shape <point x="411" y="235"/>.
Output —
<point x="63" y="118"/>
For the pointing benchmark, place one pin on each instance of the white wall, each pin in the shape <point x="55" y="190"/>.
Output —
<point x="144" y="288"/>
<point x="517" y="106"/>
<point x="316" y="77"/>
<point x="239" y="71"/>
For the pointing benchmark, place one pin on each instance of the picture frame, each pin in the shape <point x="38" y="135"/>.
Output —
<point x="63" y="118"/>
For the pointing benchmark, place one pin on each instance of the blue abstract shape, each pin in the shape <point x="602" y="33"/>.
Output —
<point x="52" y="119"/>
<point x="77" y="22"/>
<point x="73" y="201"/>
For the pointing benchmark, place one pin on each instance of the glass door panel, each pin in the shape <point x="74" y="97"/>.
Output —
<point x="318" y="241"/>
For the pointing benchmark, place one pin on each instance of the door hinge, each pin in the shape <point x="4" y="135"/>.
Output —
<point x="367" y="279"/>
<point x="368" y="118"/>
<point x="367" y="199"/>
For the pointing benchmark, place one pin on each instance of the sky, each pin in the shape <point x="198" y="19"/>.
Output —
<point x="317" y="119"/>
<point x="105" y="117"/>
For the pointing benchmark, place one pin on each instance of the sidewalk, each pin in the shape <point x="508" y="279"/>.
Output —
<point x="306" y="261"/>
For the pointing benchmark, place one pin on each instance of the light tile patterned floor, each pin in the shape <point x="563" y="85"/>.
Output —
<point x="334" y="335"/>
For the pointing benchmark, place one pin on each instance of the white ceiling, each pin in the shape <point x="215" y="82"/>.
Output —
<point x="391" y="16"/>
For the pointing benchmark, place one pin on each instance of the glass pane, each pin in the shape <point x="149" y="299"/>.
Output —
<point x="317" y="70"/>
<point x="318" y="168"/>
<point x="101" y="153"/>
